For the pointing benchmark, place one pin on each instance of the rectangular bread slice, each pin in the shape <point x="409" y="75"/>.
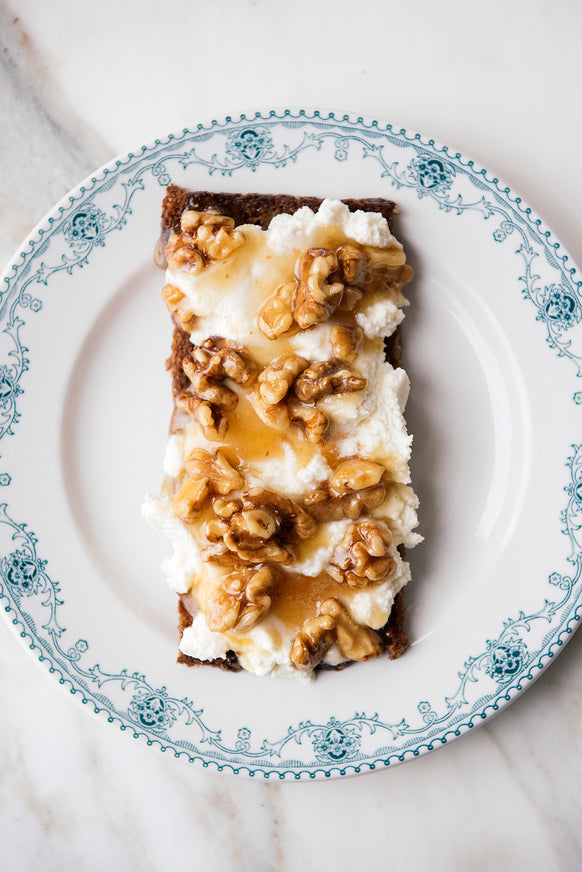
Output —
<point x="252" y="391"/>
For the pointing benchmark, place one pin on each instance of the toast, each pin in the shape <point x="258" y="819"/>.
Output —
<point x="289" y="514"/>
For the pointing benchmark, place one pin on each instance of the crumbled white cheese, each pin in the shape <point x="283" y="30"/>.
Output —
<point x="313" y="344"/>
<point x="303" y="229"/>
<point x="380" y="318"/>
<point x="200" y="642"/>
<point x="398" y="511"/>
<point x="268" y="651"/>
<point x="185" y="561"/>
<point x="287" y="475"/>
<point x="174" y="456"/>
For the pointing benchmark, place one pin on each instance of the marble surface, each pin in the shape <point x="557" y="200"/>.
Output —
<point x="81" y="83"/>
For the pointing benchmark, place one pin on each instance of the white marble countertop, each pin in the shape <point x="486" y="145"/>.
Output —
<point x="82" y="82"/>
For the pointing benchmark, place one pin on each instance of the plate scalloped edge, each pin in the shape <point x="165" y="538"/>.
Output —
<point x="31" y="599"/>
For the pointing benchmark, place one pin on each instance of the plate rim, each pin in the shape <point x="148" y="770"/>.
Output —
<point x="32" y="246"/>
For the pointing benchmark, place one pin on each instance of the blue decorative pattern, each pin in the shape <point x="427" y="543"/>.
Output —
<point x="430" y="173"/>
<point x="86" y="227"/>
<point x="493" y="675"/>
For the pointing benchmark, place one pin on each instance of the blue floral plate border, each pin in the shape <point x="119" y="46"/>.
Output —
<point x="286" y="149"/>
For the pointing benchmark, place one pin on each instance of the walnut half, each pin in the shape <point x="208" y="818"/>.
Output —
<point x="315" y="638"/>
<point x="208" y="367"/>
<point x="261" y="526"/>
<point x="333" y="624"/>
<point x="212" y="420"/>
<point x="241" y="600"/>
<point x="278" y="408"/>
<point x="313" y="422"/>
<point x="276" y="314"/>
<point x="345" y="341"/>
<point x="327" y="377"/>
<point x="356" y="486"/>
<point x="363" y="556"/>
<point x="179" y="306"/>
<point x="207" y="474"/>
<point x="204" y="237"/>
<point x="317" y="296"/>
<point x="276" y="379"/>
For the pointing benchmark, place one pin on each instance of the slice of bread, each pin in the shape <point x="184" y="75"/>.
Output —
<point x="260" y="209"/>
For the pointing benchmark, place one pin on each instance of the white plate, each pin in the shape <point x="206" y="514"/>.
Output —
<point x="493" y="346"/>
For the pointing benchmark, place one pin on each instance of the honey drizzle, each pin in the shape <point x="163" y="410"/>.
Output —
<point x="247" y="436"/>
<point x="296" y="598"/>
<point x="251" y="440"/>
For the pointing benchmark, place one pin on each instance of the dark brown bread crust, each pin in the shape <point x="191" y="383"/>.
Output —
<point x="260" y="209"/>
<point x="181" y="348"/>
<point x="252" y="208"/>
<point x="392" y="633"/>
